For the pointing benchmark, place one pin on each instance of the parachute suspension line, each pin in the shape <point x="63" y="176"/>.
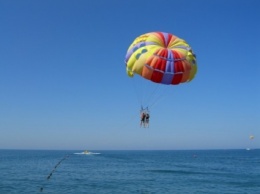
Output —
<point x="54" y="169"/>
<point x="156" y="100"/>
<point x="146" y="109"/>
<point x="152" y="94"/>
<point x="142" y="88"/>
<point x="161" y="94"/>
<point x="138" y="97"/>
<point x="147" y="93"/>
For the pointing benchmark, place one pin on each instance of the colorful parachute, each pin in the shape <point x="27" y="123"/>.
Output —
<point x="162" y="58"/>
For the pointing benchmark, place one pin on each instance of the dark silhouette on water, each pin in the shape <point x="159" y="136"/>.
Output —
<point x="56" y="166"/>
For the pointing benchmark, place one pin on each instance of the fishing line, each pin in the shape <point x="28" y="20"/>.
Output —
<point x="54" y="169"/>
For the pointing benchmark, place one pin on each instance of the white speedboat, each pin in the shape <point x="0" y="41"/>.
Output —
<point x="86" y="152"/>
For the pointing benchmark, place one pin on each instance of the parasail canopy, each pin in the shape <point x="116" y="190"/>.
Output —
<point x="161" y="58"/>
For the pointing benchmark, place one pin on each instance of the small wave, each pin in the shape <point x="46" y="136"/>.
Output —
<point x="175" y="172"/>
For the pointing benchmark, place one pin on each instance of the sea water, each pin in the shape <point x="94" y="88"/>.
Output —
<point x="129" y="172"/>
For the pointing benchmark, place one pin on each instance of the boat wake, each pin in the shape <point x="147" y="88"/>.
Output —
<point x="89" y="153"/>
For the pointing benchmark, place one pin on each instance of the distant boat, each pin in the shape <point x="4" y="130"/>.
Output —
<point x="86" y="152"/>
<point x="248" y="149"/>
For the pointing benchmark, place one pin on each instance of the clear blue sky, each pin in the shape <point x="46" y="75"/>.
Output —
<point x="63" y="83"/>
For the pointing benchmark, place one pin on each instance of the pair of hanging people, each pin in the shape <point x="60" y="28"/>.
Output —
<point x="145" y="116"/>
